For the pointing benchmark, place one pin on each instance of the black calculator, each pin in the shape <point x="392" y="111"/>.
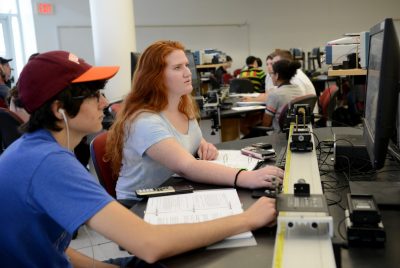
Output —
<point x="164" y="190"/>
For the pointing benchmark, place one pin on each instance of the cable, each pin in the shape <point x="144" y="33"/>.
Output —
<point x="61" y="111"/>
<point x="91" y="245"/>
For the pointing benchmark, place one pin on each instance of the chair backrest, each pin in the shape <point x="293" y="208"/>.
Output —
<point x="103" y="168"/>
<point x="327" y="101"/>
<point x="236" y="72"/>
<point x="9" y="124"/>
<point x="241" y="85"/>
<point x="309" y="99"/>
<point x="3" y="104"/>
<point x="226" y="78"/>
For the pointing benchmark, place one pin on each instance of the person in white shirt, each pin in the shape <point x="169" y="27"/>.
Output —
<point x="300" y="79"/>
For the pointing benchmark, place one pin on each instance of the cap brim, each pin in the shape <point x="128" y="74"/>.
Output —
<point x="4" y="61"/>
<point x="97" y="73"/>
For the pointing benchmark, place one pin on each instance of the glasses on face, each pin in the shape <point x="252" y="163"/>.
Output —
<point x="92" y="94"/>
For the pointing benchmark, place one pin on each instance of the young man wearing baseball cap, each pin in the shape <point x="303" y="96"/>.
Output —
<point x="5" y="74"/>
<point x="46" y="194"/>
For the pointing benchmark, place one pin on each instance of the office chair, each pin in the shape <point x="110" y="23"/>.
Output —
<point x="226" y="78"/>
<point x="314" y="56"/>
<point x="9" y="124"/>
<point x="327" y="105"/>
<point x="3" y="104"/>
<point x="237" y="72"/>
<point x="257" y="131"/>
<point x="103" y="168"/>
<point x="299" y="55"/>
<point x="241" y="85"/>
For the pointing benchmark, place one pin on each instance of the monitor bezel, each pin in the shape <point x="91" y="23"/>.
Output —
<point x="388" y="88"/>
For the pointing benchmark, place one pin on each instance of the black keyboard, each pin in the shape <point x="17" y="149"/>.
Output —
<point x="281" y="158"/>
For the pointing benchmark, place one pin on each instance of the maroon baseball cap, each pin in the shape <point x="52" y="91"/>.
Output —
<point x="49" y="73"/>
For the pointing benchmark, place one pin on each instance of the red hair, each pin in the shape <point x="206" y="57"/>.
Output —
<point x="148" y="94"/>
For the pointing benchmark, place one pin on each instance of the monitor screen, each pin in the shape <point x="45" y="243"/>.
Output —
<point x="195" y="76"/>
<point x="134" y="61"/>
<point x="382" y="91"/>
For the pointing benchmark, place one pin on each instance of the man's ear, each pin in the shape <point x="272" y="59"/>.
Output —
<point x="57" y="110"/>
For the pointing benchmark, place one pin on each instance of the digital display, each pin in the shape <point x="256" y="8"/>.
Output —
<point x="45" y="8"/>
<point x="374" y="67"/>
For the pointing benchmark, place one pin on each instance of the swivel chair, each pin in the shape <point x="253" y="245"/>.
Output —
<point x="241" y="85"/>
<point x="257" y="131"/>
<point x="299" y="55"/>
<point x="9" y="124"/>
<point x="102" y="167"/>
<point x="327" y="105"/>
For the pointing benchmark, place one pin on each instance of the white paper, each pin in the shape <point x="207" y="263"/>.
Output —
<point x="248" y="108"/>
<point x="235" y="159"/>
<point x="198" y="206"/>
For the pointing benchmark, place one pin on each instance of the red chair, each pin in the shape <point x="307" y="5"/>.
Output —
<point x="327" y="105"/>
<point x="236" y="72"/>
<point x="226" y="78"/>
<point x="103" y="168"/>
<point x="3" y="104"/>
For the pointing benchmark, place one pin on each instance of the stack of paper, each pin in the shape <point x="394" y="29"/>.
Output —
<point x="194" y="207"/>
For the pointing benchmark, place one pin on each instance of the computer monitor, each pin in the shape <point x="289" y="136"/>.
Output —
<point x="382" y="91"/>
<point x="134" y="61"/>
<point x="195" y="75"/>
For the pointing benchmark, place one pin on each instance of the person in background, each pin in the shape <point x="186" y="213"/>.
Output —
<point x="268" y="83"/>
<point x="5" y="74"/>
<point x="300" y="78"/>
<point x="283" y="72"/>
<point x="223" y="70"/>
<point x="50" y="194"/>
<point x="255" y="74"/>
<point x="156" y="134"/>
<point x="15" y="105"/>
<point x="259" y="62"/>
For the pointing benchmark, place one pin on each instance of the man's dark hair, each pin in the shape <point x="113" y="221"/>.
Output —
<point x="43" y="117"/>
<point x="259" y="62"/>
<point x="286" y="69"/>
<point x="250" y="60"/>
<point x="228" y="58"/>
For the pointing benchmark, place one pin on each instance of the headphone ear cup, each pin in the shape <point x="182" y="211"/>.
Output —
<point x="62" y="112"/>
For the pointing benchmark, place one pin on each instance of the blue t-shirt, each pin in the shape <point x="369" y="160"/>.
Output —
<point x="138" y="169"/>
<point x="45" y="195"/>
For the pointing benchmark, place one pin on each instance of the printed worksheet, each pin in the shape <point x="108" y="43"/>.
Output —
<point x="194" y="207"/>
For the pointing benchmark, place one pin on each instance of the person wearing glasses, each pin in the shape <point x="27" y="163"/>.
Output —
<point x="46" y="194"/>
<point x="156" y="134"/>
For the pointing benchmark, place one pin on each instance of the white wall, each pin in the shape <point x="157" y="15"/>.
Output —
<point x="250" y="27"/>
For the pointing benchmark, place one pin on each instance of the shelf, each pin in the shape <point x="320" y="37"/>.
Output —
<point x="209" y="66"/>
<point x="343" y="72"/>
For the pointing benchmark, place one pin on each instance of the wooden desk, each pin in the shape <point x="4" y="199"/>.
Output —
<point x="262" y="254"/>
<point x="209" y="66"/>
<point x="345" y="72"/>
<point x="230" y="120"/>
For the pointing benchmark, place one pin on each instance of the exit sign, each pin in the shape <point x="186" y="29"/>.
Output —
<point x="45" y="8"/>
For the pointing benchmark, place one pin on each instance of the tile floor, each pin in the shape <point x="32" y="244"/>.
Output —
<point x="92" y="244"/>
